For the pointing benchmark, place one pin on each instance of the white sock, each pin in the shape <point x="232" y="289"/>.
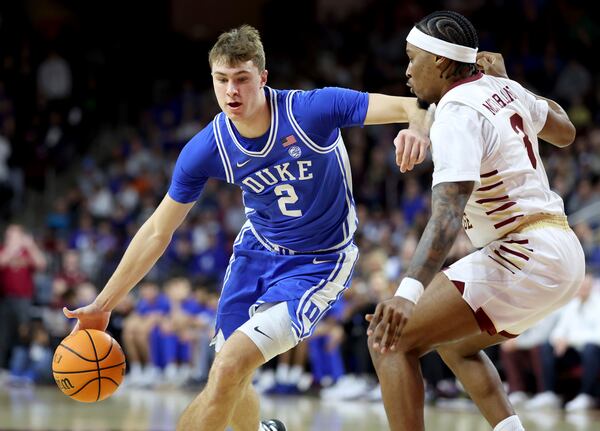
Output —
<point x="281" y="375"/>
<point x="136" y="369"/>
<point x="511" y="423"/>
<point x="295" y="374"/>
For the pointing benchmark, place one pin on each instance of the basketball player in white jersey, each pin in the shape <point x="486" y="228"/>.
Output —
<point x="489" y="179"/>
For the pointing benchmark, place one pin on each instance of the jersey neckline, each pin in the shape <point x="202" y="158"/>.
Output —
<point x="272" y="133"/>
<point x="466" y="80"/>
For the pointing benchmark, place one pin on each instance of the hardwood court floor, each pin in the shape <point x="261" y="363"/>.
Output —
<point x="45" y="408"/>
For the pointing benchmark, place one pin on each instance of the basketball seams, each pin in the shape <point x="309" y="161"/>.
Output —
<point x="89" y="371"/>
<point x="97" y="364"/>
<point x="75" y="353"/>
<point x="83" y="387"/>
<point x="112" y="342"/>
<point x="93" y="380"/>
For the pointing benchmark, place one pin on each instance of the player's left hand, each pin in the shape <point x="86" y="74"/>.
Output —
<point x="411" y="149"/>
<point x="387" y="323"/>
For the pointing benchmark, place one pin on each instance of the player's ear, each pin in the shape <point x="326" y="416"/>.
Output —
<point x="442" y="64"/>
<point x="263" y="77"/>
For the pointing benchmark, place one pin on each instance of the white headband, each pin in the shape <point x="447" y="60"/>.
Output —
<point x="437" y="46"/>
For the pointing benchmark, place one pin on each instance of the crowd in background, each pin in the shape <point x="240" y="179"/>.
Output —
<point x="87" y="149"/>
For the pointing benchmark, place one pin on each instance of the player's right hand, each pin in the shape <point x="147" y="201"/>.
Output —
<point x="387" y="323"/>
<point x="491" y="63"/>
<point x="88" y="317"/>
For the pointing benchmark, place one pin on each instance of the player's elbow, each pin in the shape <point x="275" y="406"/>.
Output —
<point x="558" y="130"/>
<point x="564" y="136"/>
<point x="568" y="135"/>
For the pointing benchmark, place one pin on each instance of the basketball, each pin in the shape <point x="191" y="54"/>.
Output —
<point x="88" y="366"/>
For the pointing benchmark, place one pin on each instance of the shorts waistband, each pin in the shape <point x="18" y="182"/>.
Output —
<point x="539" y="221"/>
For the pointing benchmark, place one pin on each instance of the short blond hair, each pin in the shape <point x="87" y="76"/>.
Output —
<point x="237" y="46"/>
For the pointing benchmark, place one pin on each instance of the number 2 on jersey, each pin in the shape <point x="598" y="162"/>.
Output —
<point x="517" y="124"/>
<point x="288" y="196"/>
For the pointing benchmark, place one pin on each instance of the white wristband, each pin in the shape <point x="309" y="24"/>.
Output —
<point x="410" y="289"/>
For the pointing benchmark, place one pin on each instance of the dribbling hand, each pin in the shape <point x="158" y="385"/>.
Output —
<point x="491" y="63"/>
<point x="88" y="317"/>
<point x="387" y="323"/>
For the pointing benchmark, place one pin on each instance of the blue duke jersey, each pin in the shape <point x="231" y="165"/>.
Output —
<point x="295" y="180"/>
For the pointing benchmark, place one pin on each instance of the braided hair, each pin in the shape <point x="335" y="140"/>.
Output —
<point x="454" y="28"/>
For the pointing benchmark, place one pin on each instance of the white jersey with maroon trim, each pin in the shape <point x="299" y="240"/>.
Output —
<point x="485" y="130"/>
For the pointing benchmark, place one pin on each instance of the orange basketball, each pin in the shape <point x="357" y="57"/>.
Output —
<point x="88" y="366"/>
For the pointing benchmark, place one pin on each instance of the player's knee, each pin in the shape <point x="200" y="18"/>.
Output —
<point x="271" y="331"/>
<point x="226" y="373"/>
<point x="406" y="345"/>
<point x="453" y="354"/>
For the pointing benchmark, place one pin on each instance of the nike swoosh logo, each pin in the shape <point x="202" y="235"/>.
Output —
<point x="316" y="261"/>
<point x="261" y="332"/>
<point x="239" y="165"/>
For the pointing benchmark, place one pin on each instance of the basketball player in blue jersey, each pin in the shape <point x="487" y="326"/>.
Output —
<point x="295" y="255"/>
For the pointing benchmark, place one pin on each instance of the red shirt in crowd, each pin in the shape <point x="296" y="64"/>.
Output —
<point x="16" y="277"/>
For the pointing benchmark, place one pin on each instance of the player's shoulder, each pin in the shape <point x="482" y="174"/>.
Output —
<point x="201" y="153"/>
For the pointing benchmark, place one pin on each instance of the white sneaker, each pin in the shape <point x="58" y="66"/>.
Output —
<point x="544" y="400"/>
<point x="374" y="394"/>
<point x="305" y="382"/>
<point x="517" y="398"/>
<point x="346" y="388"/>
<point x="265" y="381"/>
<point x="152" y="376"/>
<point x="581" y="402"/>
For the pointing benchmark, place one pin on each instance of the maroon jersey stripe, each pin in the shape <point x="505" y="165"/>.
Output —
<point x="489" y="174"/>
<point x="486" y="200"/>
<point x="505" y="259"/>
<point x="516" y="253"/>
<point x="507" y="221"/>
<point x="501" y="207"/>
<point x="501" y="264"/>
<point x="493" y="186"/>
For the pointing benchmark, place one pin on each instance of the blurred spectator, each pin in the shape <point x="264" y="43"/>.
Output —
<point x="20" y="258"/>
<point x="137" y="328"/>
<point x="54" y="78"/>
<point x="31" y="361"/>
<point x="576" y="341"/>
<point x="521" y="362"/>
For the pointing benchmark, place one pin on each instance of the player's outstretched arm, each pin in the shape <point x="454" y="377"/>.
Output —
<point x="146" y="247"/>
<point x="558" y="130"/>
<point x="384" y="109"/>
<point x="412" y="143"/>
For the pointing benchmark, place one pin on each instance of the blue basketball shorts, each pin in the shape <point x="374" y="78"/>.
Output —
<point x="309" y="283"/>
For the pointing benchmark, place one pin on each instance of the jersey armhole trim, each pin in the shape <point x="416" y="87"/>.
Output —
<point x="302" y="134"/>
<point x="222" y="152"/>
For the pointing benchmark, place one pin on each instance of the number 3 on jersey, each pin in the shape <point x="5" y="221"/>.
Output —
<point x="517" y="124"/>
<point x="288" y="196"/>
